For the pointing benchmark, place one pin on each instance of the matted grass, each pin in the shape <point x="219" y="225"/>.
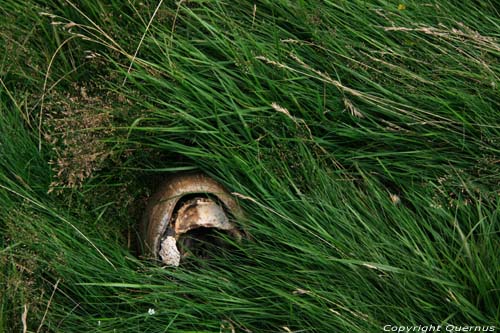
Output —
<point x="361" y="139"/>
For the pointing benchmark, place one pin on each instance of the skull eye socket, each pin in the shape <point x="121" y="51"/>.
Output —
<point x="201" y="242"/>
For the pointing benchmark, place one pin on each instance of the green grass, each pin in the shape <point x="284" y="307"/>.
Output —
<point x="362" y="140"/>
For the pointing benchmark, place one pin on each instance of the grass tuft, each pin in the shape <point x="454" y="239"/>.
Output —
<point x="360" y="138"/>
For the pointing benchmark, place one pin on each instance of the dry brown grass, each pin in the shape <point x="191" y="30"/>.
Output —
<point x="77" y="124"/>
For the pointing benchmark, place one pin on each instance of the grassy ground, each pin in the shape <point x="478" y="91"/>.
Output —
<point x="362" y="140"/>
